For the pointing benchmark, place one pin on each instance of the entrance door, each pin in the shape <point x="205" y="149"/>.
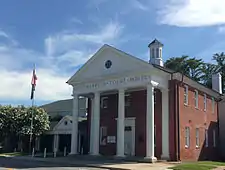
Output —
<point x="128" y="145"/>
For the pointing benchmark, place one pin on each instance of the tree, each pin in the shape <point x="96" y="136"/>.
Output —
<point x="190" y="67"/>
<point x="208" y="70"/>
<point x="177" y="64"/>
<point x="16" y="122"/>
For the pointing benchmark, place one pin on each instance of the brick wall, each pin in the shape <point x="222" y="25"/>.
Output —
<point x="193" y="117"/>
<point x="136" y="109"/>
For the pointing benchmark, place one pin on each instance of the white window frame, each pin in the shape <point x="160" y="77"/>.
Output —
<point x="103" y="133"/>
<point x="185" y="94"/>
<point x="102" y="102"/>
<point x="187" y="137"/>
<point x="205" y="102"/>
<point x="206" y="138"/>
<point x="197" y="137"/>
<point x="214" y="138"/>
<point x="196" y="98"/>
<point x="213" y="105"/>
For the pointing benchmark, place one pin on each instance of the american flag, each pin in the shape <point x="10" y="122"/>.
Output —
<point x="33" y="84"/>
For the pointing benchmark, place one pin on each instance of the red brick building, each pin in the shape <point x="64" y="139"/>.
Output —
<point x="142" y="109"/>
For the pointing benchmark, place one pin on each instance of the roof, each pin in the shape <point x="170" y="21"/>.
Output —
<point x="156" y="42"/>
<point x="57" y="105"/>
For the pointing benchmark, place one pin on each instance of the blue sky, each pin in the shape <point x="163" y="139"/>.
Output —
<point x="59" y="36"/>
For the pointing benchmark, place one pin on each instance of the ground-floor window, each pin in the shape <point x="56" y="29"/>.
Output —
<point x="187" y="137"/>
<point x="197" y="137"/>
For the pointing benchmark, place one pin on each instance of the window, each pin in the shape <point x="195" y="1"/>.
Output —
<point x="160" y="53"/>
<point x="196" y="99"/>
<point x="187" y="137"/>
<point x="186" y="95"/>
<point x="127" y="100"/>
<point x="213" y="104"/>
<point x="206" y="138"/>
<point x="214" y="138"/>
<point x="103" y="135"/>
<point x="104" y="102"/>
<point x="157" y="53"/>
<point x="205" y="102"/>
<point x="197" y="137"/>
<point x="153" y="53"/>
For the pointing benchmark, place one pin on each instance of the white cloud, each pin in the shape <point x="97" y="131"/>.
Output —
<point x="3" y="34"/>
<point x="50" y="86"/>
<point x="61" y="42"/>
<point x="65" y="51"/>
<point x="221" y="29"/>
<point x="76" y="20"/>
<point x="192" y="13"/>
<point x="138" y="5"/>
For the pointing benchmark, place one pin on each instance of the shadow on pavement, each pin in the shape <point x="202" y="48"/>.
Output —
<point x="9" y="162"/>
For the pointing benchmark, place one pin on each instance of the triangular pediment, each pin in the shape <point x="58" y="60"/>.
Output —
<point x="64" y="124"/>
<point x="108" y="61"/>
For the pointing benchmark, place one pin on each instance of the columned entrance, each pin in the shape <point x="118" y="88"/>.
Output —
<point x="106" y="72"/>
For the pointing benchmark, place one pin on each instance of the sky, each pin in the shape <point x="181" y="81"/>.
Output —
<point x="60" y="36"/>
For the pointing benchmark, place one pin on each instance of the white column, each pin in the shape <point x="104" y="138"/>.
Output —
<point x="92" y="127"/>
<point x="165" y="124"/>
<point x="56" y="142"/>
<point x="96" y="124"/>
<point x="120" y="124"/>
<point x="75" y="125"/>
<point x="150" y="124"/>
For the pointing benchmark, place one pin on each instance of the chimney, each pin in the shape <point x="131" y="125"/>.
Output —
<point x="155" y="51"/>
<point x="217" y="82"/>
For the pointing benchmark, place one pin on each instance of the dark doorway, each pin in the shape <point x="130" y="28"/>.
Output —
<point x="65" y="141"/>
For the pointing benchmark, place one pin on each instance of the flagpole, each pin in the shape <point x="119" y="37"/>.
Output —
<point x="31" y="124"/>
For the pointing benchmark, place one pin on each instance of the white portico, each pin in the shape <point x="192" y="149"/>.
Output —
<point x="113" y="71"/>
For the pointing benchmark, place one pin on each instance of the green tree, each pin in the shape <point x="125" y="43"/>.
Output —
<point x="16" y="122"/>
<point x="190" y="67"/>
<point x="208" y="70"/>
<point x="178" y="64"/>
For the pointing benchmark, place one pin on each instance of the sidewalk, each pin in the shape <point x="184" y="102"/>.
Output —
<point x="105" y="164"/>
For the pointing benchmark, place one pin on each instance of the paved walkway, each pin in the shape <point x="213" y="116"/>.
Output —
<point x="102" y="163"/>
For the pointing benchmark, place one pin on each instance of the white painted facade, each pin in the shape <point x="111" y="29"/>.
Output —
<point x="124" y="73"/>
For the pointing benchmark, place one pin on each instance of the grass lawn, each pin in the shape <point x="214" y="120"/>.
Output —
<point x="201" y="165"/>
<point x="13" y="154"/>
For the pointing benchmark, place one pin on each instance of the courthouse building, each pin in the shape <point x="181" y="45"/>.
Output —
<point x="140" y="108"/>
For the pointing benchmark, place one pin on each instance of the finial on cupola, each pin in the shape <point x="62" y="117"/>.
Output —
<point x="156" y="52"/>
